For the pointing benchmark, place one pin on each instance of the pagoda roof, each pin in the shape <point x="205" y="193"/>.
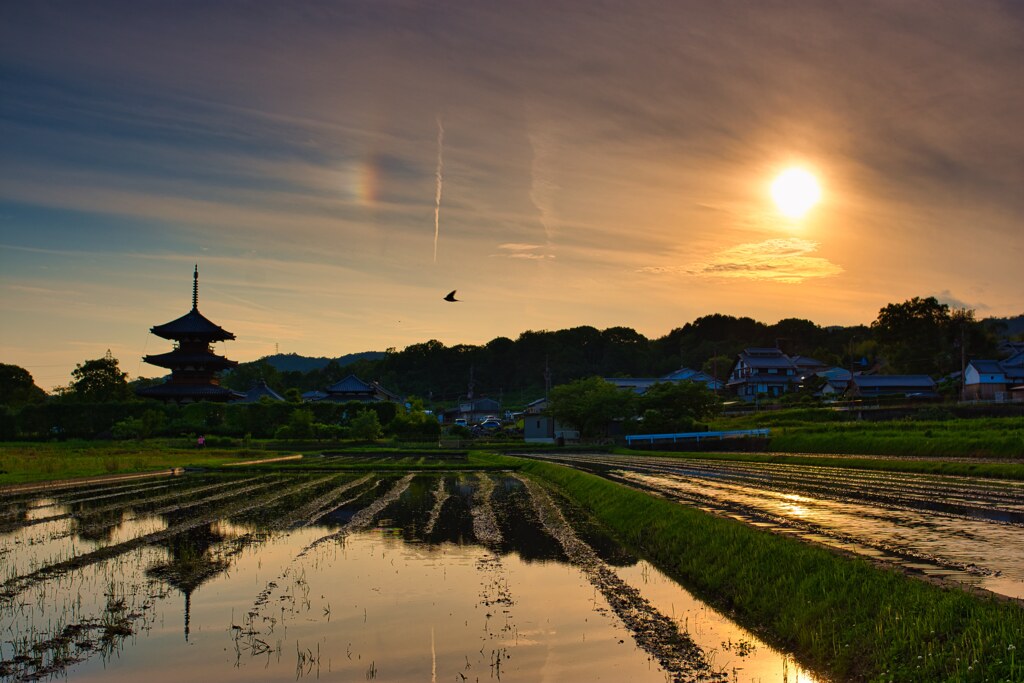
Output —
<point x="193" y="324"/>
<point x="179" y="358"/>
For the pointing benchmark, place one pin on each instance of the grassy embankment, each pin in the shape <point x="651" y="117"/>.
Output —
<point x="822" y="430"/>
<point x="29" y="462"/>
<point x="840" y="614"/>
<point x="33" y="462"/>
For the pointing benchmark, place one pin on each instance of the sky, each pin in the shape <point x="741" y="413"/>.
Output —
<point x="335" y="168"/>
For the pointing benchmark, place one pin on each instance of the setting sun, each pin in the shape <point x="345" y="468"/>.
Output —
<point x="795" y="192"/>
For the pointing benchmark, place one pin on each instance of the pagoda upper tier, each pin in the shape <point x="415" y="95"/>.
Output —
<point x="193" y="364"/>
<point x="193" y="326"/>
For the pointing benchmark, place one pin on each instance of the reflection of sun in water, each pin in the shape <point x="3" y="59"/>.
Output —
<point x="795" y="191"/>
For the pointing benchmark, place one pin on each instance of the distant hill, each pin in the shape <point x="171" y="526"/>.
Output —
<point x="293" y="362"/>
<point x="1007" y="327"/>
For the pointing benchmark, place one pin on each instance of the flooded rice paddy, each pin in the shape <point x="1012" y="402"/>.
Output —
<point x="328" y="576"/>
<point x="954" y="528"/>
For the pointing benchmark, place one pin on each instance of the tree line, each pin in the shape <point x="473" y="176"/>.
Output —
<point x="917" y="336"/>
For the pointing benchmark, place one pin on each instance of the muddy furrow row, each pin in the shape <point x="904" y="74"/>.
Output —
<point x="129" y="490"/>
<point x="653" y="631"/>
<point x="485" y="522"/>
<point x="364" y="517"/>
<point x="942" y="501"/>
<point x="16" y="585"/>
<point x="905" y="494"/>
<point x="62" y="495"/>
<point x="360" y="520"/>
<point x="14" y="512"/>
<point x="955" y="491"/>
<point x="318" y="507"/>
<point x="98" y="527"/>
<point x="747" y="515"/>
<point x="135" y="504"/>
<point x="220" y="557"/>
<point x="884" y="504"/>
<point x="441" y="496"/>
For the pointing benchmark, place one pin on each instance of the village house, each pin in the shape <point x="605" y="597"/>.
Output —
<point x="992" y="380"/>
<point x="768" y="372"/>
<point x="539" y="427"/>
<point x="908" y="386"/>
<point x="472" y="410"/>
<point x="259" y="391"/>
<point x="642" y="384"/>
<point x="352" y="388"/>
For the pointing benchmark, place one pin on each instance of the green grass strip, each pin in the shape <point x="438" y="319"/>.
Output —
<point x="821" y="430"/>
<point x="992" y="470"/>
<point x="840" y="614"/>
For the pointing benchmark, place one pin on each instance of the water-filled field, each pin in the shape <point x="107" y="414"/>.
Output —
<point x="452" y="577"/>
<point x="964" y="529"/>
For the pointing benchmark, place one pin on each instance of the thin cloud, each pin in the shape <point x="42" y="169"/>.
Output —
<point x="946" y="297"/>
<point x="521" y="250"/>
<point x="775" y="260"/>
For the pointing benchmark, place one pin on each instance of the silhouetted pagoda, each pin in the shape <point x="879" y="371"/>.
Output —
<point x="193" y="364"/>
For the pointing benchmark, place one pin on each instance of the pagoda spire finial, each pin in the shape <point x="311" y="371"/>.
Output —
<point x="195" y="289"/>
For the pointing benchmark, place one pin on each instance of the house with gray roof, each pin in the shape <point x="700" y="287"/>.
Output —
<point x="908" y="386"/>
<point x="763" y="371"/>
<point x="994" y="380"/>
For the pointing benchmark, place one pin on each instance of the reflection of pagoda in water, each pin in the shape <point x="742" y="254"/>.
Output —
<point x="193" y="364"/>
<point x="191" y="564"/>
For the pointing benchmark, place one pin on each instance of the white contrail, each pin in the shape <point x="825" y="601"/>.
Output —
<point x="440" y="183"/>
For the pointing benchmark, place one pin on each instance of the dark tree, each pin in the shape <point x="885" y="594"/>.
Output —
<point x="922" y="336"/>
<point x="590" y="405"/>
<point x="99" y="381"/>
<point x="682" y="403"/>
<point x="17" y="388"/>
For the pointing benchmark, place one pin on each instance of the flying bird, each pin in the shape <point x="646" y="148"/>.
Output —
<point x="451" y="296"/>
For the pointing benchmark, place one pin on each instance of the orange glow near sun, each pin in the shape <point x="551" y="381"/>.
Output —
<point x="795" y="192"/>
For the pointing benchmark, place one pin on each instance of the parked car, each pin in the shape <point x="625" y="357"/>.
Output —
<point x="491" y="423"/>
<point x="461" y="422"/>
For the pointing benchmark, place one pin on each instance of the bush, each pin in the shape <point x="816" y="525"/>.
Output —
<point x="414" y="425"/>
<point x="365" y="426"/>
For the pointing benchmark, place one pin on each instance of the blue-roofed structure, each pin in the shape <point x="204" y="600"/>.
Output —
<point x="261" y="390"/>
<point x="352" y="388"/>
<point x="994" y="380"/>
<point x="641" y="384"/>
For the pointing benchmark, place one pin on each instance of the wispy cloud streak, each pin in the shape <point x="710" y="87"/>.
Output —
<point x="440" y="184"/>
<point x="776" y="260"/>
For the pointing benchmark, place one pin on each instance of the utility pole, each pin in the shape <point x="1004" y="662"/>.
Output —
<point x="547" y="378"/>
<point x="963" y="359"/>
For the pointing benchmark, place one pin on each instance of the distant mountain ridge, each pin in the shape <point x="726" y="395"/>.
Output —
<point x="1013" y="325"/>
<point x="293" y="362"/>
